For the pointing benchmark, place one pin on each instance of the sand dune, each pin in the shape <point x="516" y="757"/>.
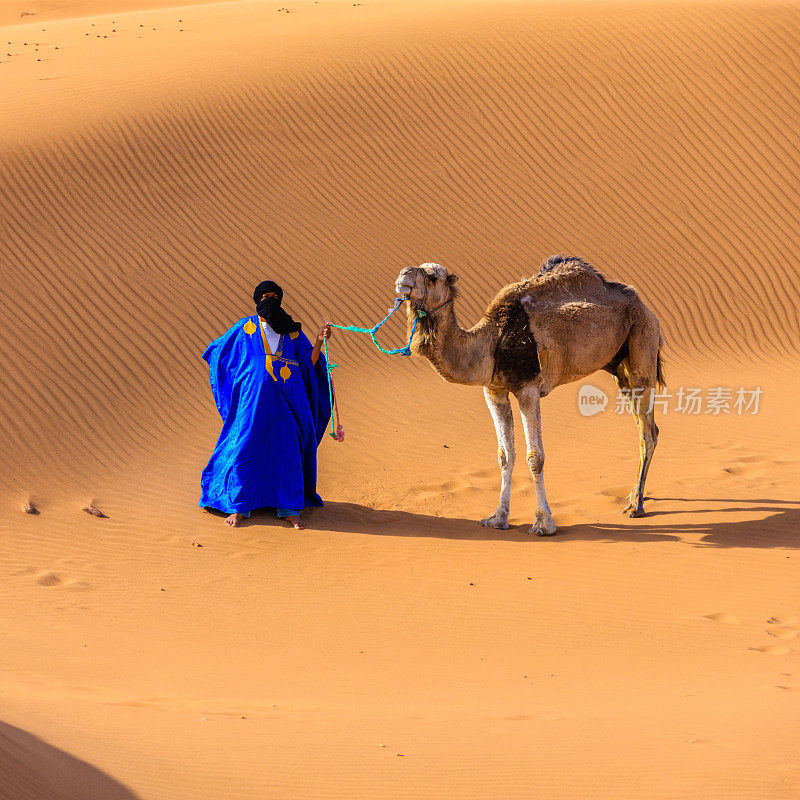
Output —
<point x="158" y="162"/>
<point x="459" y="147"/>
<point x="29" y="768"/>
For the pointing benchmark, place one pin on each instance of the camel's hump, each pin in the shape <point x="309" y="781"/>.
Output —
<point x="560" y="277"/>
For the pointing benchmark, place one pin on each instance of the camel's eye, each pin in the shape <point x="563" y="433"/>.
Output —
<point x="431" y="279"/>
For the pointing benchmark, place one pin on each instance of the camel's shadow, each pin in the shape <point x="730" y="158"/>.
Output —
<point x="779" y="529"/>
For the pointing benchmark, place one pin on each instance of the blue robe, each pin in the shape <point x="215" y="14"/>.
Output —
<point x="274" y="410"/>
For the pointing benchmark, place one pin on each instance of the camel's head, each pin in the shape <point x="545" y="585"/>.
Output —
<point x="427" y="287"/>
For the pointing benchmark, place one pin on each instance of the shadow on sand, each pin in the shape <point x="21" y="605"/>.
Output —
<point x="31" y="769"/>
<point x="778" y="525"/>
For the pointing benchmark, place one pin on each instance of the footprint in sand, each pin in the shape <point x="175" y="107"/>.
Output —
<point x="244" y="554"/>
<point x="772" y="649"/>
<point x="56" y="579"/>
<point x="724" y="617"/>
<point x="26" y="571"/>
<point x="791" y="685"/>
<point x="782" y="619"/>
<point x="782" y="632"/>
<point x="73" y="585"/>
<point x="50" y="579"/>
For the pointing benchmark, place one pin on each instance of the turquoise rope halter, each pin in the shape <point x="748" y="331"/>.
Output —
<point x="400" y="351"/>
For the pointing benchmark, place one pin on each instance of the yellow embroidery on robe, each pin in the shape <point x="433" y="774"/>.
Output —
<point x="294" y="335"/>
<point x="284" y="371"/>
<point x="269" y="355"/>
<point x="249" y="327"/>
<point x="271" y="358"/>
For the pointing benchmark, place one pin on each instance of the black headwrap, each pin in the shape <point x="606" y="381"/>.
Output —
<point x="270" y="309"/>
<point x="265" y="287"/>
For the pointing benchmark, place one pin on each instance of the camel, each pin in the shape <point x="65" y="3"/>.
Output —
<point x="555" y="327"/>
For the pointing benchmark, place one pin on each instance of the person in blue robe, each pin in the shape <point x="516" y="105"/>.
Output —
<point x="270" y="387"/>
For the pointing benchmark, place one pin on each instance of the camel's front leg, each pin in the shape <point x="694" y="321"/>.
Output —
<point x="528" y="398"/>
<point x="500" y="409"/>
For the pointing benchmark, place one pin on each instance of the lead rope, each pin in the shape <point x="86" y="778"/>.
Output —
<point x="337" y="431"/>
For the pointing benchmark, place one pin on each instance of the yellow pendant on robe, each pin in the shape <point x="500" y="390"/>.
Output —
<point x="286" y="373"/>
<point x="249" y="327"/>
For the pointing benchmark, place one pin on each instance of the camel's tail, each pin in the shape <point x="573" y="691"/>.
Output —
<point x="661" y="379"/>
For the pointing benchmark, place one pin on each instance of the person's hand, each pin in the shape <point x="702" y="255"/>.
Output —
<point x="324" y="333"/>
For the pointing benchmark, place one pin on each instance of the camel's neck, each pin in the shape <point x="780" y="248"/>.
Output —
<point x="458" y="355"/>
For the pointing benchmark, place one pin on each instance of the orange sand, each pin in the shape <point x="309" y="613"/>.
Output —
<point x="395" y="649"/>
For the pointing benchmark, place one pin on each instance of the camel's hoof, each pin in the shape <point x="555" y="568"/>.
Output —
<point x="494" y="522"/>
<point x="543" y="528"/>
<point x="632" y="511"/>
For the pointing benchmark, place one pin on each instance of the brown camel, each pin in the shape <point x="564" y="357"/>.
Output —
<point x="558" y="326"/>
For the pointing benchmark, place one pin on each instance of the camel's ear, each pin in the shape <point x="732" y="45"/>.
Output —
<point x="451" y="279"/>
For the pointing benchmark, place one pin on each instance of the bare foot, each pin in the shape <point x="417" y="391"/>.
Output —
<point x="234" y="519"/>
<point x="296" y="522"/>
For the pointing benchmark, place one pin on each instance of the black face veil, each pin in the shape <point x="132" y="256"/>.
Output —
<point x="270" y="309"/>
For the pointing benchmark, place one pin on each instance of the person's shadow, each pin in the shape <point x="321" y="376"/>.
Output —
<point x="32" y="768"/>
<point x="778" y="525"/>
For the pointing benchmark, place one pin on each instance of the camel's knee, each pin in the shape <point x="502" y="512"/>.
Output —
<point x="505" y="458"/>
<point x="536" y="461"/>
<point x="639" y="380"/>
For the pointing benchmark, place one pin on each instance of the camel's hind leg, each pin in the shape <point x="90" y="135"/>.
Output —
<point x="648" y="438"/>
<point x="500" y="409"/>
<point x="639" y="374"/>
